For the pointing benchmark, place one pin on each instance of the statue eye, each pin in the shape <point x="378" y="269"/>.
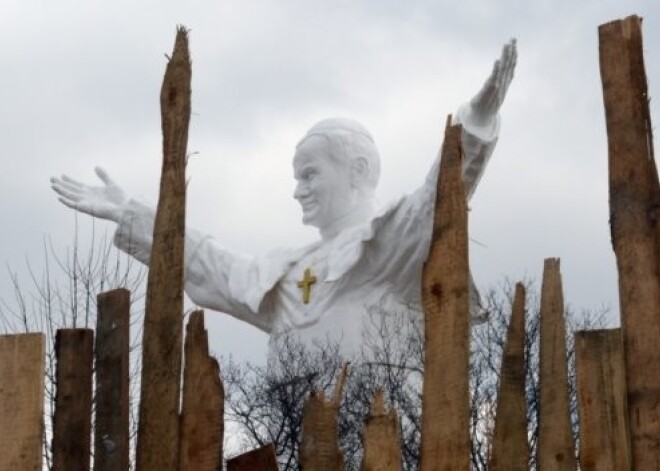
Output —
<point x="309" y="175"/>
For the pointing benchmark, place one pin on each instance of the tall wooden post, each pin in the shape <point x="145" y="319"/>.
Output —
<point x="158" y="429"/>
<point x="382" y="446"/>
<point x="202" y="412"/>
<point x="111" y="431"/>
<point x="510" y="446"/>
<point x="72" y="425"/>
<point x="635" y="226"/>
<point x="21" y="401"/>
<point x="555" y="448"/>
<point x="445" y="403"/>
<point x="601" y="387"/>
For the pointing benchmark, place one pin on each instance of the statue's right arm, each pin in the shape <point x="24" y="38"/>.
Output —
<point x="210" y="269"/>
<point x="208" y="266"/>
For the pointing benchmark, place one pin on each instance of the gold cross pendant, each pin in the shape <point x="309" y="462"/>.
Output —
<point x="306" y="285"/>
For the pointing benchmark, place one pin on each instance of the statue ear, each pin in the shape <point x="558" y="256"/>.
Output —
<point x="359" y="171"/>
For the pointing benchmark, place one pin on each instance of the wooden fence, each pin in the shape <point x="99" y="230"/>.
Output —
<point x="618" y="375"/>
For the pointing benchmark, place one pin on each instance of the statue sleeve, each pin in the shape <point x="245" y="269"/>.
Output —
<point x="213" y="274"/>
<point x="478" y="144"/>
<point x="410" y="224"/>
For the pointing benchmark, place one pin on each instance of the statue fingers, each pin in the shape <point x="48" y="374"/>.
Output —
<point x="492" y="78"/>
<point x="506" y="51"/>
<point x="513" y="50"/>
<point x="66" y="192"/>
<point x="66" y="202"/>
<point x="484" y="95"/>
<point x="513" y="60"/>
<point x="505" y="58"/>
<point x="70" y="181"/>
<point x="83" y="208"/>
<point x="71" y="187"/>
<point x="505" y="74"/>
<point x="501" y="85"/>
<point x="103" y="175"/>
<point x="492" y="94"/>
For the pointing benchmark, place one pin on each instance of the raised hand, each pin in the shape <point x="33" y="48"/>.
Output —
<point x="105" y="201"/>
<point x="485" y="105"/>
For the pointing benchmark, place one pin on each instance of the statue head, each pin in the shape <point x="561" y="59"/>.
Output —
<point x="336" y="167"/>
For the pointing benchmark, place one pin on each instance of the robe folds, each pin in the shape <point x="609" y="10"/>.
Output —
<point x="366" y="273"/>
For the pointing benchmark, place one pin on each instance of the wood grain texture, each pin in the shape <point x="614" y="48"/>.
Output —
<point x="601" y="391"/>
<point x="202" y="411"/>
<point x="72" y="424"/>
<point x="510" y="450"/>
<point x="635" y="226"/>
<point x="22" y="365"/>
<point x="556" y="450"/>
<point x="112" y="411"/>
<point x="319" y="445"/>
<point x="381" y="441"/>
<point x="158" y="428"/>
<point x="445" y="404"/>
<point x="262" y="459"/>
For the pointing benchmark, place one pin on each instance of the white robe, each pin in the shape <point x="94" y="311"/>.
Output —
<point x="372" y="268"/>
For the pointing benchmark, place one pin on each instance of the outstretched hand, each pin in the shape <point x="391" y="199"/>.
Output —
<point x="485" y="105"/>
<point x="103" y="201"/>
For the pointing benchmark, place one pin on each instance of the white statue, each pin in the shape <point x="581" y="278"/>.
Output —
<point x="364" y="258"/>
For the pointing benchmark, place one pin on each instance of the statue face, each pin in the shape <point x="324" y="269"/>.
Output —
<point x="323" y="186"/>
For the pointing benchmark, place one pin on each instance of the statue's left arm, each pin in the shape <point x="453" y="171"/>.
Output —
<point x="480" y="117"/>
<point x="409" y="223"/>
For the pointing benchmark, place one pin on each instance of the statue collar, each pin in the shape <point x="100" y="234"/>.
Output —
<point x="344" y="252"/>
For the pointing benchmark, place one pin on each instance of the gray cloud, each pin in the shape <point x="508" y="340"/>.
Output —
<point x="80" y="87"/>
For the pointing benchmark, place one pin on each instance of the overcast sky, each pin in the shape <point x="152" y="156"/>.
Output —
<point x="80" y="82"/>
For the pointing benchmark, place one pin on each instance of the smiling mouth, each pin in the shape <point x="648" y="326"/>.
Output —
<point x="307" y="205"/>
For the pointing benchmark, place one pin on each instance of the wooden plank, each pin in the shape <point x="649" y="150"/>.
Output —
<point x="202" y="412"/>
<point x="556" y="450"/>
<point x="635" y="226"/>
<point x="510" y="446"/>
<point x="158" y="428"/>
<point x="21" y="401"/>
<point x="262" y="459"/>
<point x="72" y="424"/>
<point x="112" y="411"/>
<point x="601" y="388"/>
<point x="319" y="446"/>
<point x="382" y="446"/>
<point x="445" y="403"/>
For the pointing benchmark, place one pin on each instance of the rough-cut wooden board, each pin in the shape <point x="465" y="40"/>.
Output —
<point x="261" y="459"/>
<point x="112" y="408"/>
<point x="319" y="449"/>
<point x="21" y="401"/>
<point x="319" y="445"/>
<point x="556" y="450"/>
<point x="382" y="445"/>
<point x="158" y="429"/>
<point x="445" y="404"/>
<point x="202" y="412"/>
<point x="601" y="388"/>
<point x="72" y="424"/>
<point x="510" y="450"/>
<point x="635" y="225"/>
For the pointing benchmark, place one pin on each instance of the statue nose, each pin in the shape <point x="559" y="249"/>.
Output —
<point x="301" y="191"/>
